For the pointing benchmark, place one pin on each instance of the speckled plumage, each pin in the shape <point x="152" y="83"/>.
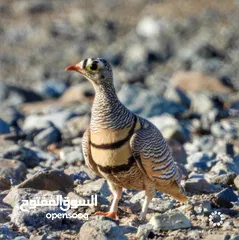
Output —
<point x="125" y="149"/>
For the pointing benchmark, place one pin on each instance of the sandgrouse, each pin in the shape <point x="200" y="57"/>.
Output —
<point x="125" y="149"/>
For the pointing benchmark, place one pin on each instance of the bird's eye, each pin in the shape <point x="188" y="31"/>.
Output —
<point x="94" y="66"/>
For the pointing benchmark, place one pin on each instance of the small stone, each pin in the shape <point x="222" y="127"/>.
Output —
<point x="72" y="155"/>
<point x="51" y="180"/>
<point x="97" y="186"/>
<point x="227" y="195"/>
<point x="198" y="162"/>
<point x="170" y="221"/>
<point x="101" y="229"/>
<point x="11" y="172"/>
<point x="169" y="126"/>
<point x="198" y="185"/>
<point x="47" y="137"/>
<point x="224" y="165"/>
<point x="26" y="155"/>
<point x="144" y="230"/>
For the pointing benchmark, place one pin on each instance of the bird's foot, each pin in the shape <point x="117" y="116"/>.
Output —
<point x="108" y="214"/>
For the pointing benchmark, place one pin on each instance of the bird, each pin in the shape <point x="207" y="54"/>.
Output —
<point x="125" y="149"/>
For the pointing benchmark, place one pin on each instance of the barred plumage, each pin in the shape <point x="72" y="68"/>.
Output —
<point x="125" y="149"/>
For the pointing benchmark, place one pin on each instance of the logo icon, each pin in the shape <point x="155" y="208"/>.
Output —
<point x="216" y="219"/>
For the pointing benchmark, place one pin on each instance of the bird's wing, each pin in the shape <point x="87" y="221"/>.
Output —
<point x="154" y="158"/>
<point x="86" y="152"/>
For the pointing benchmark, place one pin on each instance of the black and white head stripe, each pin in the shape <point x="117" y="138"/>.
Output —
<point x="100" y="61"/>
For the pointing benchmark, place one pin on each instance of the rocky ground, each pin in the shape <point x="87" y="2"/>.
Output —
<point x="175" y="63"/>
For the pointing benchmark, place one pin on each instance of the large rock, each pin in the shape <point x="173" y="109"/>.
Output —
<point x="52" y="180"/>
<point x="101" y="229"/>
<point x="170" y="221"/>
<point x="33" y="217"/>
<point x="11" y="171"/>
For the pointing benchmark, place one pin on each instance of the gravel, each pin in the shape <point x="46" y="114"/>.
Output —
<point x="178" y="69"/>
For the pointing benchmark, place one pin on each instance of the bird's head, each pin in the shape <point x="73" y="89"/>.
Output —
<point x="97" y="70"/>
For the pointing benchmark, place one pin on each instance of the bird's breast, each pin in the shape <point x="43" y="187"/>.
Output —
<point x="110" y="147"/>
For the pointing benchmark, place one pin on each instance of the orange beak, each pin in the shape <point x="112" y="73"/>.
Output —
<point x="76" y="68"/>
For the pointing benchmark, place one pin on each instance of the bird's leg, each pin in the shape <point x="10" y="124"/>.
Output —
<point x="148" y="198"/>
<point x="117" y="193"/>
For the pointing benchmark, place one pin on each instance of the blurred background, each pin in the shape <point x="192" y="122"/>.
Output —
<point x="176" y="63"/>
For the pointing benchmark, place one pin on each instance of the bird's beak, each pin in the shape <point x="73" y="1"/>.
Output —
<point x="75" y="67"/>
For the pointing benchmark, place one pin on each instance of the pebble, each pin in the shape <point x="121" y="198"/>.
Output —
<point x="72" y="155"/>
<point x="170" y="221"/>
<point x="101" y="229"/>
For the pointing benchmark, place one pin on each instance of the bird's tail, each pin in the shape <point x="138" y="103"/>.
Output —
<point x="175" y="190"/>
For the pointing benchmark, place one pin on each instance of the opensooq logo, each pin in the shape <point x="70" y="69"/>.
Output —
<point x="64" y="203"/>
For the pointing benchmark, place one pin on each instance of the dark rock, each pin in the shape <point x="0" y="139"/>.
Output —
<point x="101" y="229"/>
<point x="23" y="154"/>
<point x="47" y="137"/>
<point x="208" y="51"/>
<point x="11" y="172"/>
<point x="40" y="7"/>
<point x="227" y="195"/>
<point x="7" y="234"/>
<point x="198" y="185"/>
<point x="52" y="180"/>
<point x="4" y="127"/>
